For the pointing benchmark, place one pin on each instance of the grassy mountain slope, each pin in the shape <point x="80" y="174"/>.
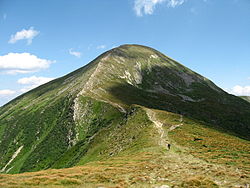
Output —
<point x="40" y="121"/>
<point x="121" y="111"/>
<point x="146" y="161"/>
<point x="146" y="77"/>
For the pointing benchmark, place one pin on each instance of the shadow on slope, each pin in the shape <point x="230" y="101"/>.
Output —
<point x="201" y="100"/>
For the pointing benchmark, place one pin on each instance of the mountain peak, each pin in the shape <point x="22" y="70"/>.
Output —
<point x="133" y="49"/>
<point x="72" y="114"/>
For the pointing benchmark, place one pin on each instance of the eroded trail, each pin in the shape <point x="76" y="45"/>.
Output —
<point x="159" y="126"/>
<point x="182" y="165"/>
<point x="163" y="140"/>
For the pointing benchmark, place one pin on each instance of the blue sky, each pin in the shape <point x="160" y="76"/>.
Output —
<point x="42" y="40"/>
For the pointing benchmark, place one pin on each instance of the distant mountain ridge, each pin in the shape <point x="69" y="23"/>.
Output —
<point x="107" y="109"/>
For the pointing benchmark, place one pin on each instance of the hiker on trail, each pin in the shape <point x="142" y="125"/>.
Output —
<point x="168" y="145"/>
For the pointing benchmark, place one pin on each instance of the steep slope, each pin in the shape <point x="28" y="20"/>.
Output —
<point x="40" y="122"/>
<point x="109" y="108"/>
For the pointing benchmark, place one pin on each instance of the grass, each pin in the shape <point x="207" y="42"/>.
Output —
<point x="40" y="120"/>
<point x="143" y="163"/>
<point x="117" y="172"/>
<point x="138" y="171"/>
<point x="199" y="182"/>
<point x="213" y="146"/>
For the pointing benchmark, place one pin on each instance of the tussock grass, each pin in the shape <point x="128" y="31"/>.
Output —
<point x="199" y="182"/>
<point x="213" y="146"/>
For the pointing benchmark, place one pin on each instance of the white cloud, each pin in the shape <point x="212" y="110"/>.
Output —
<point x="7" y="95"/>
<point x="33" y="82"/>
<point x="14" y="63"/>
<point x="6" y="92"/>
<point x="74" y="53"/>
<point x="240" y="90"/>
<point x="147" y="6"/>
<point x="24" y="35"/>
<point x="101" y="46"/>
<point x="174" y="3"/>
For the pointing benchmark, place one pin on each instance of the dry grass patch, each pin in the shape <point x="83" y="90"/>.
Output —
<point x="199" y="182"/>
<point x="213" y="146"/>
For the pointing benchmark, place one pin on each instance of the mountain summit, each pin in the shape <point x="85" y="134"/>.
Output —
<point x="129" y="99"/>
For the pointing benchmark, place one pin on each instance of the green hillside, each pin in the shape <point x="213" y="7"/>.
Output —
<point x="129" y="102"/>
<point x="197" y="158"/>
